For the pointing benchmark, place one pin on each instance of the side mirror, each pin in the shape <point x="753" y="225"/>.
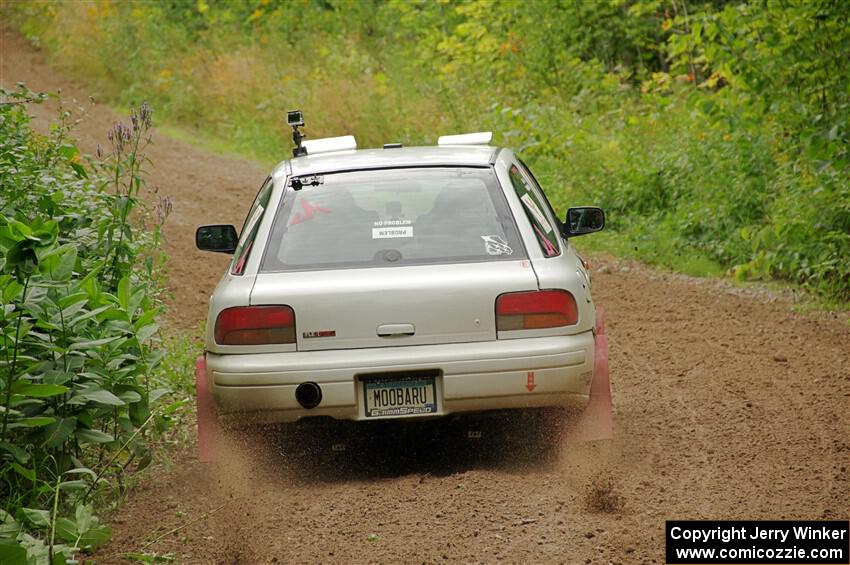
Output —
<point x="582" y="220"/>
<point x="219" y="238"/>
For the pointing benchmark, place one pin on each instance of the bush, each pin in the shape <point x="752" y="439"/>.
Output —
<point x="77" y="329"/>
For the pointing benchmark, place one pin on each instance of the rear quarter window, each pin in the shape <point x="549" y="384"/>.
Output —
<point x="536" y="209"/>
<point x="250" y="228"/>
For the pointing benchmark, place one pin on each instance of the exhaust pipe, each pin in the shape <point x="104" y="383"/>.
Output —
<point x="308" y="395"/>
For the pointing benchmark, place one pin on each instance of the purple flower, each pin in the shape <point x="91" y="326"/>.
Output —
<point x="145" y="113"/>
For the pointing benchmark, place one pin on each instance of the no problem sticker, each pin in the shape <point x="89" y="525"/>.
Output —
<point x="385" y="229"/>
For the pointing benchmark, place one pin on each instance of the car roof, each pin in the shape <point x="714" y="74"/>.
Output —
<point x="452" y="155"/>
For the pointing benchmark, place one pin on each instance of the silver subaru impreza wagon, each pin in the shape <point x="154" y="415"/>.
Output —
<point x="400" y="282"/>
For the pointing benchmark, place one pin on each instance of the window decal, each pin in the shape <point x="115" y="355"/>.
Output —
<point x="548" y="248"/>
<point x="384" y="229"/>
<point x="308" y="211"/>
<point x="496" y="245"/>
<point x="255" y="217"/>
<point x="239" y="265"/>
<point x="531" y="205"/>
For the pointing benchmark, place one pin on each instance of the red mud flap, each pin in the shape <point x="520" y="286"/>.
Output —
<point x="597" y="420"/>
<point x="208" y="429"/>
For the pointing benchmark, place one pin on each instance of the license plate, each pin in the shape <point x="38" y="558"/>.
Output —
<point x="400" y="396"/>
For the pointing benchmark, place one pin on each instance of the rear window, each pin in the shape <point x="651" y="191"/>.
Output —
<point x="392" y="217"/>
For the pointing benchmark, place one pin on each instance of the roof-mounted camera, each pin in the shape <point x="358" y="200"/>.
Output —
<point x="295" y="119"/>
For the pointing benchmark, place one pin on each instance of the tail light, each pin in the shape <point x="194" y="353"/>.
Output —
<point x="535" y="310"/>
<point x="255" y="325"/>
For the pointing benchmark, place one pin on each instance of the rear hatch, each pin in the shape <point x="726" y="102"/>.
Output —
<point x="387" y="257"/>
<point x="384" y="307"/>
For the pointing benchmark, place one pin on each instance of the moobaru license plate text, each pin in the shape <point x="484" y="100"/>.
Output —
<point x="400" y="397"/>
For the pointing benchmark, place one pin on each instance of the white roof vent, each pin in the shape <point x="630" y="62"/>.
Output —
<point x="478" y="138"/>
<point x="329" y="144"/>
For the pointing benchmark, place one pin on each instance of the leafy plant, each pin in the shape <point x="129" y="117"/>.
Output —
<point x="78" y="329"/>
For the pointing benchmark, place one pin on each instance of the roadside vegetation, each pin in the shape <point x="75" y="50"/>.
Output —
<point x="714" y="133"/>
<point x="84" y="392"/>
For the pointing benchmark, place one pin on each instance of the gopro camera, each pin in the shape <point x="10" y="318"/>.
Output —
<point x="295" y="118"/>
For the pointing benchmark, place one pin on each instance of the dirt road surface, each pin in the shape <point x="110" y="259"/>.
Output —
<point x="727" y="406"/>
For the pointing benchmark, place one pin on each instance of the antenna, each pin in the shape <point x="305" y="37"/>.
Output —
<point x="295" y="119"/>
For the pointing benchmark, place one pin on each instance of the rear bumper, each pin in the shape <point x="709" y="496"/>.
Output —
<point x="517" y="373"/>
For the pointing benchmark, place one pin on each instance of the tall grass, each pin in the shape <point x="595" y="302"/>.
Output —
<point x="235" y="86"/>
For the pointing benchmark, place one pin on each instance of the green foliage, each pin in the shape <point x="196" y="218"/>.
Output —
<point x="78" y="328"/>
<point x="716" y="133"/>
<point x="779" y="76"/>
